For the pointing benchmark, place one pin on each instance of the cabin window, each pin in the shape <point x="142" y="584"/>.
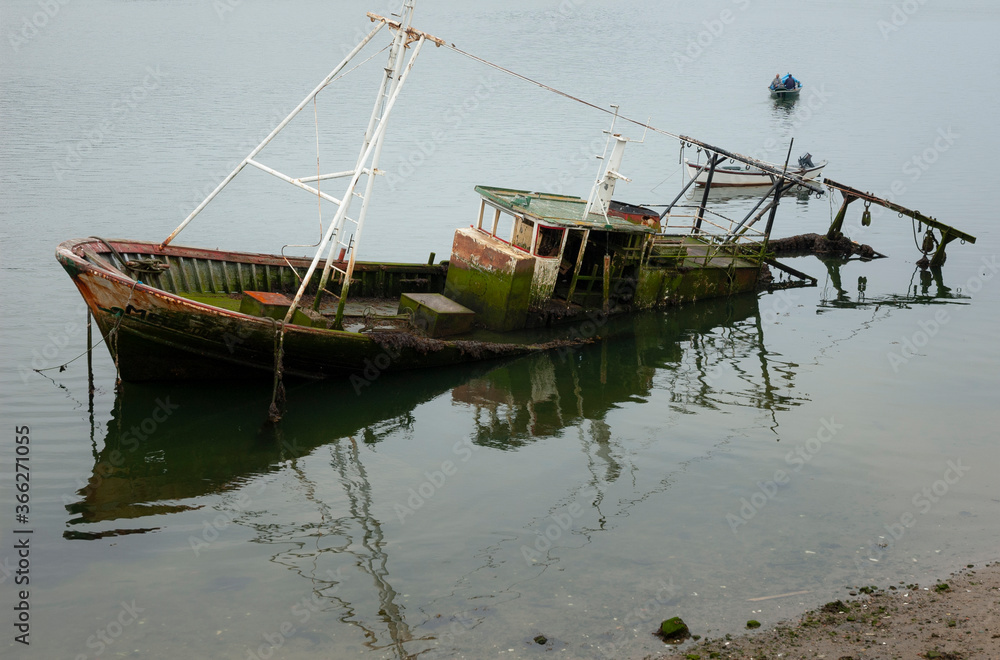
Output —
<point x="496" y="223"/>
<point x="549" y="241"/>
<point x="504" y="229"/>
<point x="482" y="214"/>
<point x="524" y="231"/>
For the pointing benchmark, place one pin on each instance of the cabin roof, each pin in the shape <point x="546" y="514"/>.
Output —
<point x="560" y="210"/>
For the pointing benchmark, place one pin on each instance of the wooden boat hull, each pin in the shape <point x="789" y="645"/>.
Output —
<point x="184" y="323"/>
<point x="726" y="177"/>
<point x="156" y="334"/>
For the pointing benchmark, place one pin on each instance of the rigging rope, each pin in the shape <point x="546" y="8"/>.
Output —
<point x="642" y="124"/>
<point x="560" y="92"/>
<point x="319" y="199"/>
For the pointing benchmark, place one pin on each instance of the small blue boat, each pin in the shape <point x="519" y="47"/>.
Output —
<point x="787" y="86"/>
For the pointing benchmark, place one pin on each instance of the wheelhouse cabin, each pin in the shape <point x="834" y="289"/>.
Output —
<point x="533" y="257"/>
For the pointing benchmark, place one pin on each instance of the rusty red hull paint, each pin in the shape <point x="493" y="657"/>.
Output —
<point x="155" y="335"/>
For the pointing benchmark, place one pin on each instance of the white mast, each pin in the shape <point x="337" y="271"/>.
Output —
<point x="340" y="233"/>
<point x="604" y="187"/>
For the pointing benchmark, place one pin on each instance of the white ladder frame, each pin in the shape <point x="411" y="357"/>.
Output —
<point x="366" y="165"/>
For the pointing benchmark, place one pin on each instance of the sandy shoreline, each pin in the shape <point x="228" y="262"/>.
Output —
<point x="954" y="619"/>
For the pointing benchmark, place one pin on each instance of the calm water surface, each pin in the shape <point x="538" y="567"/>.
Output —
<point x="684" y="464"/>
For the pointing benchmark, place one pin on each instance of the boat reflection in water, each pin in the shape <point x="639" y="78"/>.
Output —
<point x="168" y="450"/>
<point x="212" y="439"/>
<point x="169" y="444"/>
<point x="527" y="400"/>
<point x="926" y="287"/>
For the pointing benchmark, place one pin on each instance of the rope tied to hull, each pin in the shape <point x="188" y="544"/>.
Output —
<point x="111" y="338"/>
<point x="277" y="408"/>
<point x="147" y="266"/>
<point x="113" y="251"/>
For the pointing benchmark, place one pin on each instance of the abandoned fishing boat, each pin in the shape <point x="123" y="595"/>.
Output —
<point x="787" y="87"/>
<point x="530" y="265"/>
<point x="170" y="312"/>
<point x="748" y="175"/>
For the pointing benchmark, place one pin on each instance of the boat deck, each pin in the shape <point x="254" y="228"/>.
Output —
<point x="699" y="257"/>
<point x="694" y="252"/>
<point x="359" y="313"/>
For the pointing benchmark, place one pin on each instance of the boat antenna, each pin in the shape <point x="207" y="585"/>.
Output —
<point x="600" y="169"/>
<point x="604" y="187"/>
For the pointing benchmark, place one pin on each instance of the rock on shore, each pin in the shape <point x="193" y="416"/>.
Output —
<point x="956" y="619"/>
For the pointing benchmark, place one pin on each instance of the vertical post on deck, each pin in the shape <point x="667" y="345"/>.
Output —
<point x="713" y="160"/>
<point x="607" y="283"/>
<point x="778" y="189"/>
<point x="576" y="268"/>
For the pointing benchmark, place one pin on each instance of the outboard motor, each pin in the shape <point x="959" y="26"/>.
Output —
<point x="806" y="161"/>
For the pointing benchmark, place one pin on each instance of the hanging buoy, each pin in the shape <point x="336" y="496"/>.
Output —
<point x="929" y="242"/>
<point x="866" y="217"/>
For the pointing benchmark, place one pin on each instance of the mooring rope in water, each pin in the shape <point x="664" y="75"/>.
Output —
<point x="277" y="408"/>
<point x="111" y="333"/>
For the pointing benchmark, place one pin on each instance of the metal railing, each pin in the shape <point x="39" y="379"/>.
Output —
<point x="685" y="243"/>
